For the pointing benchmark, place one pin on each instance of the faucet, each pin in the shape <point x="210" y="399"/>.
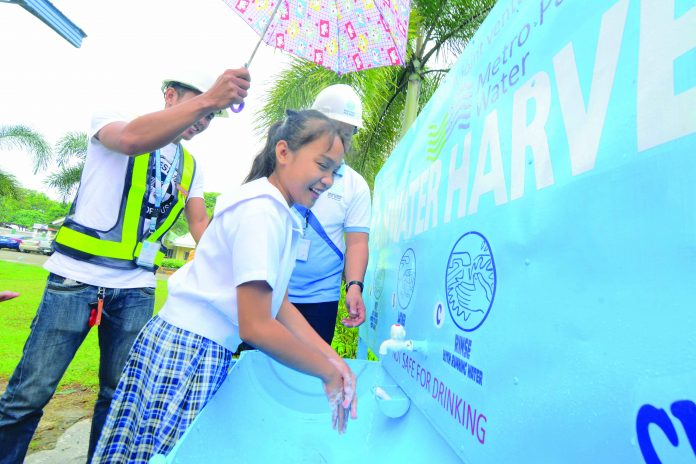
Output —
<point x="396" y="342"/>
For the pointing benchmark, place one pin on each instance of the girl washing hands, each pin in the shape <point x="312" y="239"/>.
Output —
<point x="235" y="290"/>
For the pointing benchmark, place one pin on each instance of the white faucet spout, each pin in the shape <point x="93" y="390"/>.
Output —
<point x="397" y="342"/>
<point x="390" y="345"/>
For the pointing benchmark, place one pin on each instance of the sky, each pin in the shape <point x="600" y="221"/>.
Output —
<point x="131" y="46"/>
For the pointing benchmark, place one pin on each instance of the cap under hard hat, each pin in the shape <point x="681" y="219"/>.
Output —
<point x="196" y="80"/>
<point x="340" y="102"/>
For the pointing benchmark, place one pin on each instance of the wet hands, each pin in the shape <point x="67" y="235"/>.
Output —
<point x="230" y="88"/>
<point x="340" y="390"/>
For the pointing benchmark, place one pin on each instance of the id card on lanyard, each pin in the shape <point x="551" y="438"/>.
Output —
<point x="148" y="252"/>
<point x="311" y="220"/>
<point x="303" y="244"/>
<point x="303" y="249"/>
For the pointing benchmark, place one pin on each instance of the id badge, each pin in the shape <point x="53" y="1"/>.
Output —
<point x="148" y="253"/>
<point x="303" y="249"/>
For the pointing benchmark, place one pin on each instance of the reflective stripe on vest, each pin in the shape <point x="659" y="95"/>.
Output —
<point x="123" y="248"/>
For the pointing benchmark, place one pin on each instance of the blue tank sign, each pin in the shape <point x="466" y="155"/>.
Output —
<point x="534" y="233"/>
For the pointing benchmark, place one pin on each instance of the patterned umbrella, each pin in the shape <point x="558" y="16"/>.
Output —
<point x="341" y="35"/>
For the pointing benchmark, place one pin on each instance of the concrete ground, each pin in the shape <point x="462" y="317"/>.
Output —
<point x="24" y="258"/>
<point x="71" y="447"/>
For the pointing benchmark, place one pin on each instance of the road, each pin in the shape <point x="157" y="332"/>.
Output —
<point x="24" y="258"/>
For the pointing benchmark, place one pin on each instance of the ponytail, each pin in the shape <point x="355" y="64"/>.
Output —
<point x="264" y="163"/>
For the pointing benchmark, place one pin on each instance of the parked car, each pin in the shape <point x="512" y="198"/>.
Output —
<point x="9" y="242"/>
<point x="36" y="245"/>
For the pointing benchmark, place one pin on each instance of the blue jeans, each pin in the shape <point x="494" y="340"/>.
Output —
<point x="57" y="331"/>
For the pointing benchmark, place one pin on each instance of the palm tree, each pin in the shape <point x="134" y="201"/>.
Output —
<point x="392" y="96"/>
<point x="9" y="186"/>
<point x="71" y="151"/>
<point x="22" y="137"/>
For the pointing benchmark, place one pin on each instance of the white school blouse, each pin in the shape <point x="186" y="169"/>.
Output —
<point x="253" y="236"/>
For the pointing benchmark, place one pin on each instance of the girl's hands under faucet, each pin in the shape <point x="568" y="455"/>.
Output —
<point x="341" y="392"/>
<point x="350" y="384"/>
<point x="333" y="387"/>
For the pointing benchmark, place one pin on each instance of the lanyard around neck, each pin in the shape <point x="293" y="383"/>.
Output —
<point x="311" y="220"/>
<point x="158" y="182"/>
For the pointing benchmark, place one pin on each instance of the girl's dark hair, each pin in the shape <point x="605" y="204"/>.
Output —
<point x="297" y="129"/>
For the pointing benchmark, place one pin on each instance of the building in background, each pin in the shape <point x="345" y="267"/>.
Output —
<point x="182" y="248"/>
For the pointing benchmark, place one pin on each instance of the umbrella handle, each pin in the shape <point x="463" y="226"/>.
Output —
<point x="238" y="108"/>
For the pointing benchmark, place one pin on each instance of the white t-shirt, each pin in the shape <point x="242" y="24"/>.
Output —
<point x="253" y="237"/>
<point x="345" y="207"/>
<point x="98" y="202"/>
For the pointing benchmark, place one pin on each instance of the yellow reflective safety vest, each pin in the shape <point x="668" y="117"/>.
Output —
<point x="120" y="246"/>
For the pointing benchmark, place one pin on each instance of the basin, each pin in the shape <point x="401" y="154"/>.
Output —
<point x="266" y="413"/>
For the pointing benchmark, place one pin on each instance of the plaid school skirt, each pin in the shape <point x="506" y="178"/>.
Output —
<point x="170" y="375"/>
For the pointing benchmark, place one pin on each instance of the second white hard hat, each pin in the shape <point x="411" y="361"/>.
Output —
<point x="197" y="80"/>
<point x="340" y="102"/>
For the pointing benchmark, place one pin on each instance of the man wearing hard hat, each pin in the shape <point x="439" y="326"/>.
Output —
<point x="336" y="232"/>
<point x="136" y="181"/>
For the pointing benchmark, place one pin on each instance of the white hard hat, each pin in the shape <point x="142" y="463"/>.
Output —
<point x="197" y="80"/>
<point x="340" y="102"/>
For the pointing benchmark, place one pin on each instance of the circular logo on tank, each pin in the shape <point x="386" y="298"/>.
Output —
<point x="407" y="278"/>
<point x="470" y="281"/>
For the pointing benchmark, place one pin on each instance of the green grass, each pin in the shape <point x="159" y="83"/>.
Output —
<point x="345" y="340"/>
<point x="16" y="316"/>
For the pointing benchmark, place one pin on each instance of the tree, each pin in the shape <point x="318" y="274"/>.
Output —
<point x="437" y="28"/>
<point x="22" y="137"/>
<point x="71" y="151"/>
<point x="30" y="208"/>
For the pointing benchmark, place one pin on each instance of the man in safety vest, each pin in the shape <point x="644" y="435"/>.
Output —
<point x="336" y="232"/>
<point x="136" y="181"/>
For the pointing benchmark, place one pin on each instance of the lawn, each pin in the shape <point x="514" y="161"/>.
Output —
<point x="16" y="316"/>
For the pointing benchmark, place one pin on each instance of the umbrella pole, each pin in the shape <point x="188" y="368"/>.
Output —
<point x="263" y="34"/>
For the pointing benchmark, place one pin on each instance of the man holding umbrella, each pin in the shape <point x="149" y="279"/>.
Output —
<point x="136" y="180"/>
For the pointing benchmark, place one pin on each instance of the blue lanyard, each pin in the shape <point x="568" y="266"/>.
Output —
<point x="311" y="220"/>
<point x="159" y="183"/>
